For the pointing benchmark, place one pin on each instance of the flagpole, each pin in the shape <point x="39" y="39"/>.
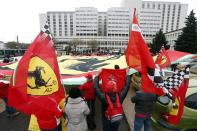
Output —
<point x="134" y="11"/>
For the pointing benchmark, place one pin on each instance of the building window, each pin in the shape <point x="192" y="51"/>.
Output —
<point x="143" y="5"/>
<point x="153" y="6"/>
<point x="159" y="7"/>
<point x="178" y="18"/>
<point x="53" y="16"/>
<point x="60" y="33"/>
<point x="168" y="9"/>
<point x="148" y="6"/>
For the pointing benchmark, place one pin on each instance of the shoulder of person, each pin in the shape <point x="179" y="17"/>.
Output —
<point x="83" y="102"/>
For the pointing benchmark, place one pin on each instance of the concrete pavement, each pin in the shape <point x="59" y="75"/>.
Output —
<point x="18" y="123"/>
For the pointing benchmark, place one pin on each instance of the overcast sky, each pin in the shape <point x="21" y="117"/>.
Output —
<point x="21" y="17"/>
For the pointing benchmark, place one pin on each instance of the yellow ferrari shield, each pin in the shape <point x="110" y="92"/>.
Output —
<point x="174" y="111"/>
<point x="163" y="60"/>
<point x="41" y="78"/>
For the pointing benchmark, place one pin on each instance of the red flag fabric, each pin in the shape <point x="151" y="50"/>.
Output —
<point x="174" y="115"/>
<point x="163" y="59"/>
<point x="176" y="55"/>
<point x="48" y="118"/>
<point x="137" y="52"/>
<point x="37" y="75"/>
<point x="115" y="78"/>
<point x="138" y="56"/>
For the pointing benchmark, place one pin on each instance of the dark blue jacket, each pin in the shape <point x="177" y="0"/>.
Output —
<point x="144" y="102"/>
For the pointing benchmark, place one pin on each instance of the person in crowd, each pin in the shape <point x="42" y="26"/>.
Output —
<point x="144" y="103"/>
<point x="173" y="67"/>
<point x="89" y="95"/>
<point x="116" y="67"/>
<point x="10" y="111"/>
<point x="107" y="124"/>
<point x="76" y="110"/>
<point x="48" y="115"/>
<point x="6" y="58"/>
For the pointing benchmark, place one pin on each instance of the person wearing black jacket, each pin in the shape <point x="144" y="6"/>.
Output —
<point x="107" y="125"/>
<point x="144" y="103"/>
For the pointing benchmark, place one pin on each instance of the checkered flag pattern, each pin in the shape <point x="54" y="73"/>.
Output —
<point x="45" y="32"/>
<point x="175" y="80"/>
<point x="156" y="76"/>
<point x="171" y="83"/>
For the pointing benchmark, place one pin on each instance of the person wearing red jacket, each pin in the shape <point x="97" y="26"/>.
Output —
<point x="10" y="111"/>
<point x="89" y="95"/>
<point x="107" y="124"/>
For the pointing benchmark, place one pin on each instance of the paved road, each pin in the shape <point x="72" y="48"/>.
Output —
<point x="19" y="123"/>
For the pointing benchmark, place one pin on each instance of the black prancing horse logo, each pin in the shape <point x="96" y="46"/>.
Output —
<point x="39" y="81"/>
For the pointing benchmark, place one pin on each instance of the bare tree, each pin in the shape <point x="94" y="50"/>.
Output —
<point x="12" y="45"/>
<point x="93" y="44"/>
<point x="75" y="42"/>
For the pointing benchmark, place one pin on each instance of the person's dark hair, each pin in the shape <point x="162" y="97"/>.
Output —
<point x="74" y="92"/>
<point x="116" y="67"/>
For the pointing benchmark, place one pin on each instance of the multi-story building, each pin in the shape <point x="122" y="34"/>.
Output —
<point x="60" y="23"/>
<point x="172" y="36"/>
<point x="118" y="22"/>
<point x="150" y="23"/>
<point x="118" y="26"/>
<point x="86" y="22"/>
<point x="109" y="29"/>
<point x="131" y="4"/>
<point x="156" y="15"/>
<point x="102" y="24"/>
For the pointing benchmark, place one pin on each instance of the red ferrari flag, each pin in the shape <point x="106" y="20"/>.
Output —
<point x="163" y="59"/>
<point x="137" y="52"/>
<point x="114" y="78"/>
<point x="37" y="75"/>
<point x="138" y="56"/>
<point x="174" y="115"/>
<point x="177" y="86"/>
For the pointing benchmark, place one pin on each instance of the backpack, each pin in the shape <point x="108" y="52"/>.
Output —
<point x="114" y="112"/>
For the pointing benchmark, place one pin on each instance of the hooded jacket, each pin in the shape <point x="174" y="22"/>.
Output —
<point x="76" y="111"/>
<point x="144" y="102"/>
